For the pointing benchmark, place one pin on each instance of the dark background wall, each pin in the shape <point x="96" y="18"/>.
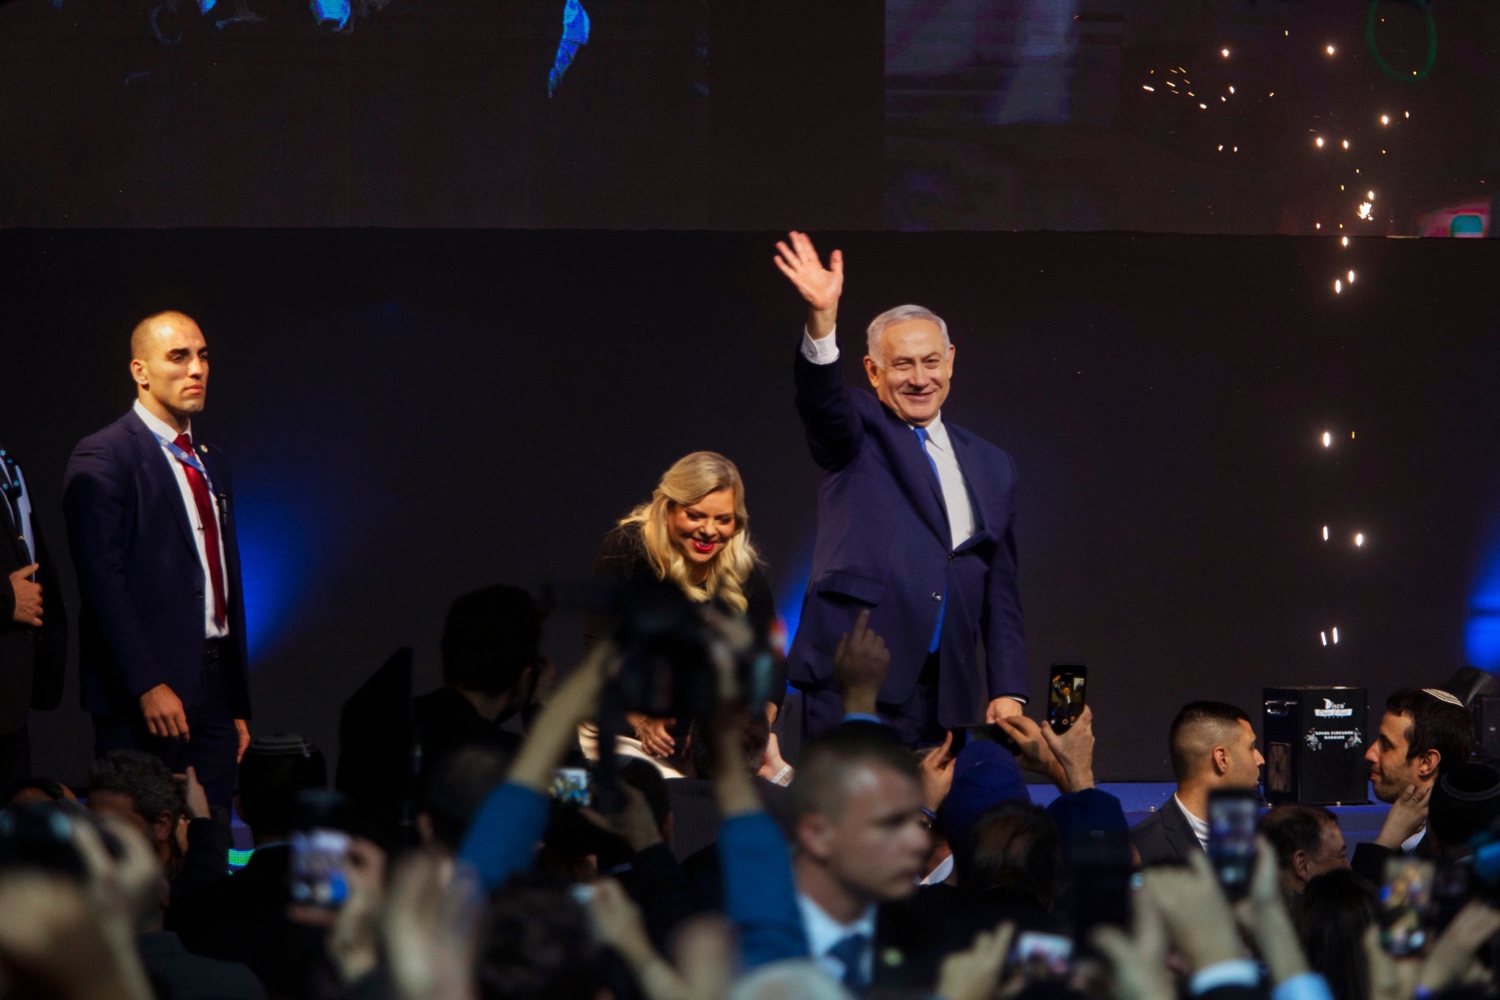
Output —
<point x="413" y="414"/>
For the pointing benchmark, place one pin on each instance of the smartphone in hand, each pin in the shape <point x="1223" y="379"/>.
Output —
<point x="1065" y="695"/>
<point x="1406" y="905"/>
<point x="319" y="875"/>
<point x="1232" y="817"/>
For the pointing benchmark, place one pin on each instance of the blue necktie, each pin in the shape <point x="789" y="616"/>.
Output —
<point x="937" y="632"/>
<point x="850" y="951"/>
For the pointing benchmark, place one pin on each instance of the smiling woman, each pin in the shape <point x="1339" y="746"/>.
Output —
<point x="694" y="533"/>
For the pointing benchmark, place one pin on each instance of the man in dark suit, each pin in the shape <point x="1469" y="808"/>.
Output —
<point x="915" y="523"/>
<point x="150" y="514"/>
<point x="1212" y="747"/>
<point x="33" y="639"/>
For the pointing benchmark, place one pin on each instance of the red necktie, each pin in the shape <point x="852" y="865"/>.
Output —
<point x="210" y="523"/>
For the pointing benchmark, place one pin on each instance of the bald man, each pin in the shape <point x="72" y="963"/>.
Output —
<point x="149" y="508"/>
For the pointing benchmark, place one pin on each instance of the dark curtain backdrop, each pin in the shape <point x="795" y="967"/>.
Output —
<point x="414" y="414"/>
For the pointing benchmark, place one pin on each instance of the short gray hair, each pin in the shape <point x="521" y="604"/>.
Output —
<point x="794" y="979"/>
<point x="901" y="314"/>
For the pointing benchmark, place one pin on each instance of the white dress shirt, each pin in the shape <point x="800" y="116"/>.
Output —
<point x="1200" y="826"/>
<point x="211" y="628"/>
<point x="939" y="448"/>
<point x="823" y="932"/>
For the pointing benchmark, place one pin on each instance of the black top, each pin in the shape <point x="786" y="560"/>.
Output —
<point x="622" y="556"/>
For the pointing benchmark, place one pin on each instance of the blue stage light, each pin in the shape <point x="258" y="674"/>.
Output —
<point x="1482" y="632"/>
<point x="789" y="601"/>
<point x="575" y="33"/>
<point x="275" y="570"/>
<point x="337" y="11"/>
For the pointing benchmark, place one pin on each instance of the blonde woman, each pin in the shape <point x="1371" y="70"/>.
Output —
<point x="693" y="532"/>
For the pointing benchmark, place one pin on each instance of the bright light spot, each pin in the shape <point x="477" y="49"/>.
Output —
<point x="1330" y="50"/>
<point x="1338" y="286"/>
<point x="1271" y="94"/>
<point x="1152" y="89"/>
<point x="1169" y="83"/>
<point x="1325" y="532"/>
<point x="1365" y="209"/>
<point x="1351" y="277"/>
<point x="1370" y="195"/>
<point x="1346" y="143"/>
<point x="1231" y="90"/>
<point x="1317" y="225"/>
<point x="1221" y="147"/>
<point x="1344" y="240"/>
<point x="1408" y="114"/>
<point x="1359" y="539"/>
<point x="1224" y="53"/>
<point x="1203" y="106"/>
<point x="1318" y="142"/>
<point x="1327" y="439"/>
<point x="1385" y="119"/>
<point x="1335" y="635"/>
<point x="1223" y="98"/>
<point x="1236" y="149"/>
<point x="1324" y="637"/>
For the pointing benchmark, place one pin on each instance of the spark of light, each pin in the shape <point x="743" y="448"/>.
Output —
<point x="1385" y="119"/>
<point x="1318" y="142"/>
<point x="1351" y="277"/>
<point x="1330" y="50"/>
<point x="1338" y="286"/>
<point x="1224" y="53"/>
<point x="1365" y="209"/>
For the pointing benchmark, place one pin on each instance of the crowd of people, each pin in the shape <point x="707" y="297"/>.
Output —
<point x="631" y="828"/>
<point x="874" y="870"/>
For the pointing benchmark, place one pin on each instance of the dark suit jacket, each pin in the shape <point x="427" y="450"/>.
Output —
<point x="33" y="661"/>
<point x="178" y="974"/>
<point x="884" y="544"/>
<point x="139" y="573"/>
<point x="1165" y="837"/>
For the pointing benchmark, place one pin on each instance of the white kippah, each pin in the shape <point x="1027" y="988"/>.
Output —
<point x="1442" y="695"/>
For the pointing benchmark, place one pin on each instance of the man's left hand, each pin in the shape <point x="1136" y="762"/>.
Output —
<point x="242" y="730"/>
<point x="1002" y="708"/>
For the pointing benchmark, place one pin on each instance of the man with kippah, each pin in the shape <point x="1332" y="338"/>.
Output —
<point x="1424" y="734"/>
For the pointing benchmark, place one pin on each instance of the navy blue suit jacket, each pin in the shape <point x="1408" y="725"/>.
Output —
<point x="884" y="543"/>
<point x="138" y="570"/>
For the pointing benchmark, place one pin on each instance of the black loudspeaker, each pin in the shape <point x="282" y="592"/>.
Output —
<point x="1316" y="739"/>
<point x="1486" y="710"/>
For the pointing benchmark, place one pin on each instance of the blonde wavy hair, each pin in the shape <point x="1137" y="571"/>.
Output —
<point x="690" y="479"/>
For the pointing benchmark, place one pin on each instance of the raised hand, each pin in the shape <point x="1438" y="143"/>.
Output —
<point x="820" y="286"/>
<point x="936" y="772"/>
<point x="860" y="665"/>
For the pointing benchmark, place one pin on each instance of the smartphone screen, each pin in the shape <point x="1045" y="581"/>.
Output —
<point x="1065" y="695"/>
<point x="1042" y="956"/>
<point x="318" y="875"/>
<point x="992" y="733"/>
<point x="570" y="786"/>
<point x="1231" y="838"/>
<point x="1406" y="905"/>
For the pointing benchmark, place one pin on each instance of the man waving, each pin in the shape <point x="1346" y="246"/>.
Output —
<point x="915" y="523"/>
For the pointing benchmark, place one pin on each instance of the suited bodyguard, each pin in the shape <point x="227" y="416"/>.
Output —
<point x="150" y="513"/>
<point x="33" y="622"/>
<point x="915" y="523"/>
